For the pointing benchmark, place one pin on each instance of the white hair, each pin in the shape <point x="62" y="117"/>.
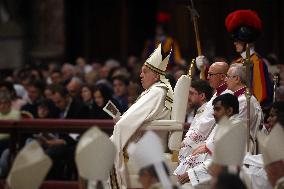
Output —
<point x="239" y="70"/>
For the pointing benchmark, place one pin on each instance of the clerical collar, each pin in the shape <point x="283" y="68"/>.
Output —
<point x="252" y="51"/>
<point x="221" y="88"/>
<point x="240" y="91"/>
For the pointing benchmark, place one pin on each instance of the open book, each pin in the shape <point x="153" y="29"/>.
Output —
<point x="111" y="109"/>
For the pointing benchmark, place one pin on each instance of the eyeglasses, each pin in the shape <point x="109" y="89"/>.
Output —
<point x="231" y="76"/>
<point x="212" y="74"/>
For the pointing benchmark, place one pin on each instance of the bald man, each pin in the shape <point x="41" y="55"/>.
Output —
<point x="74" y="87"/>
<point x="203" y="122"/>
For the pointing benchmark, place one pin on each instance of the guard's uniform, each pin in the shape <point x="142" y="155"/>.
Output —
<point x="245" y="26"/>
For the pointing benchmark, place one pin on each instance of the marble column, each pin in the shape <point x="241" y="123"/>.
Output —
<point x="48" y="30"/>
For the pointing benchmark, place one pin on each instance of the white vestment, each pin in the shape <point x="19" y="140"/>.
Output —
<point x="256" y="116"/>
<point x="253" y="173"/>
<point x="200" y="128"/>
<point x="149" y="106"/>
<point x="197" y="166"/>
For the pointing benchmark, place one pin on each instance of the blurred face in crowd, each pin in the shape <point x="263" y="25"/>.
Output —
<point x="4" y="89"/>
<point x="86" y="94"/>
<point x="239" y="46"/>
<point x="73" y="88"/>
<point x="67" y="73"/>
<point x="148" y="77"/>
<point x="119" y="87"/>
<point x="194" y="98"/>
<point x="216" y="74"/>
<point x="33" y="93"/>
<point x="159" y="31"/>
<point x="56" y="78"/>
<point x="80" y="61"/>
<point x="42" y="112"/>
<point x="5" y="106"/>
<point x="60" y="101"/>
<point x="220" y="111"/>
<point x="48" y="94"/>
<point x="99" y="99"/>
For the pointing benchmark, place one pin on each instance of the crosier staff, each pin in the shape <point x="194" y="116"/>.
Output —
<point x="194" y="16"/>
<point x="275" y="83"/>
<point x="247" y="64"/>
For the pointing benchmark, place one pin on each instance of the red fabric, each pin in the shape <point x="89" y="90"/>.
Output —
<point x="243" y="18"/>
<point x="52" y="185"/>
<point x="163" y="17"/>
<point x="60" y="185"/>
<point x="240" y="92"/>
<point x="221" y="88"/>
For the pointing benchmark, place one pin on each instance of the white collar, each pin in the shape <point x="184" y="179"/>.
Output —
<point x="67" y="108"/>
<point x="252" y="51"/>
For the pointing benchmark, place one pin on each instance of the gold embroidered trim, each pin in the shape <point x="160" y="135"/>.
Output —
<point x="155" y="69"/>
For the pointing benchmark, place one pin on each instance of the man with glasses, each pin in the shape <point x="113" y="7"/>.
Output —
<point x="236" y="81"/>
<point x="244" y="32"/>
<point x="204" y="121"/>
<point x="245" y="27"/>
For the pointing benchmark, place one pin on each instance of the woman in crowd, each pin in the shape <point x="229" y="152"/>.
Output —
<point x="102" y="94"/>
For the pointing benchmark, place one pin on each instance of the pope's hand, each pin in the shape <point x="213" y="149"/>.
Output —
<point x="116" y="119"/>
<point x="201" y="61"/>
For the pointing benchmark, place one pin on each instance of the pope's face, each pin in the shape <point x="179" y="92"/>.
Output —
<point x="148" y="77"/>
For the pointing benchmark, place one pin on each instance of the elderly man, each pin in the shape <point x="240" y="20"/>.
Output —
<point x="236" y="81"/>
<point x="203" y="124"/>
<point x="245" y="27"/>
<point x="153" y="104"/>
<point x="204" y="121"/>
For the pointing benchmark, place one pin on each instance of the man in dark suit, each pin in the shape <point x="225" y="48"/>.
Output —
<point x="62" y="146"/>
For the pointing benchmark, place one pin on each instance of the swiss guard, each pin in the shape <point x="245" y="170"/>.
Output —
<point x="245" y="27"/>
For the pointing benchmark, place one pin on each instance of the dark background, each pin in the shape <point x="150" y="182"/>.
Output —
<point x="58" y="30"/>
